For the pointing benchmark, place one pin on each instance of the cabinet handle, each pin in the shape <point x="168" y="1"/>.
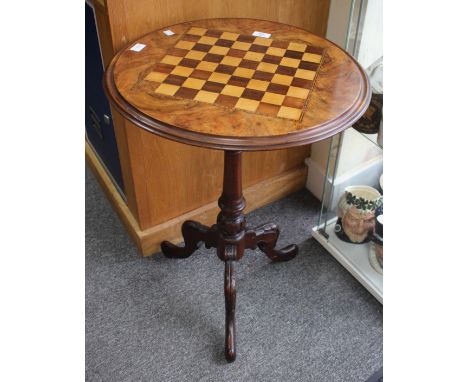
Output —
<point x="107" y="119"/>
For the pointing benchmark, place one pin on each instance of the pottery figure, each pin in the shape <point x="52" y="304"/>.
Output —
<point x="356" y="213"/>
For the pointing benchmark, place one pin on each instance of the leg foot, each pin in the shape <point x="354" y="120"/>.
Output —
<point x="265" y="237"/>
<point x="193" y="234"/>
<point x="230" y="302"/>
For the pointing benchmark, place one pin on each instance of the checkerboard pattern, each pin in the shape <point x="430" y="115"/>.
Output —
<point x="253" y="74"/>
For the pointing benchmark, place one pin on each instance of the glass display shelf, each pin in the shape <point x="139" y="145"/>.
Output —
<point x="354" y="257"/>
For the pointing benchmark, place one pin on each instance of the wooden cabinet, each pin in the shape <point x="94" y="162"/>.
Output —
<point x="164" y="181"/>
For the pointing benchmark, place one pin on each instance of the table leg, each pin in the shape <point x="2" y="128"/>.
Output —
<point x="231" y="231"/>
<point x="265" y="237"/>
<point x="230" y="238"/>
<point x="194" y="233"/>
<point x="230" y="304"/>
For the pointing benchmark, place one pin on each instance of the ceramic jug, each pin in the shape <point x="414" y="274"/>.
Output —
<point x="356" y="213"/>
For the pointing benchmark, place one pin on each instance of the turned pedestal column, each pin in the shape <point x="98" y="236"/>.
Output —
<point x="230" y="238"/>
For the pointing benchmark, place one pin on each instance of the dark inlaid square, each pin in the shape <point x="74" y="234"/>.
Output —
<point x="313" y="49"/>
<point x="258" y="48"/>
<point x="163" y="68"/>
<point x="256" y="95"/>
<point x="177" y="52"/>
<point x="249" y="64"/>
<point x="228" y="69"/>
<point x="286" y="70"/>
<point x="225" y="43"/>
<point x="238" y="81"/>
<point x="297" y="103"/>
<point x="301" y="83"/>
<point x="278" y="89"/>
<point x="264" y="76"/>
<point x="308" y="65"/>
<point x="293" y="54"/>
<point x="227" y="101"/>
<point x="268" y="109"/>
<point x="236" y="53"/>
<point x="210" y="57"/>
<point x="186" y="93"/>
<point x="244" y="38"/>
<point x="213" y="33"/>
<point x="174" y="79"/>
<point x="201" y="47"/>
<point x="272" y="59"/>
<point x="214" y="87"/>
<point x="191" y="37"/>
<point x="189" y="63"/>
<point x="279" y="44"/>
<point x="200" y="74"/>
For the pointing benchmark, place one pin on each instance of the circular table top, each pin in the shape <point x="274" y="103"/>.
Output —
<point x="213" y="83"/>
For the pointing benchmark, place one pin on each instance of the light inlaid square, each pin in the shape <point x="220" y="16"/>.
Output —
<point x="276" y="51"/>
<point x="241" y="45"/>
<point x="185" y="45"/>
<point x="219" y="50"/>
<point x="282" y="79"/>
<point x="232" y="90"/>
<point x="195" y="55"/>
<point x="254" y="56"/>
<point x="205" y="96"/>
<point x="197" y="31"/>
<point x="207" y="40"/>
<point x="289" y="112"/>
<point x="193" y="83"/>
<point x="156" y="77"/>
<point x="297" y="47"/>
<point x="311" y="57"/>
<point x="247" y="104"/>
<point x="298" y="92"/>
<point x="229" y="36"/>
<point x="219" y="77"/>
<point x="258" y="85"/>
<point x="182" y="71"/>
<point x="305" y="74"/>
<point x="273" y="98"/>
<point x="233" y="61"/>
<point x="208" y="66"/>
<point x="267" y="67"/>
<point x="243" y="72"/>
<point x="167" y="89"/>
<point x="291" y="62"/>
<point x="263" y="41"/>
<point x="171" y="60"/>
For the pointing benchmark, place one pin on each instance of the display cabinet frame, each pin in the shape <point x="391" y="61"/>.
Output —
<point x="355" y="258"/>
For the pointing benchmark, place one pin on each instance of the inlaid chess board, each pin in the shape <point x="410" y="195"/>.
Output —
<point x="235" y="71"/>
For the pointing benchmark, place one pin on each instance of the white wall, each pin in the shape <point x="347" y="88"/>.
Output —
<point x="371" y="47"/>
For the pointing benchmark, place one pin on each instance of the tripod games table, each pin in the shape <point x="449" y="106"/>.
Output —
<point x="218" y="84"/>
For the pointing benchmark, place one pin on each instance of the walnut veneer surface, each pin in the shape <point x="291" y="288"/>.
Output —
<point x="205" y="94"/>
